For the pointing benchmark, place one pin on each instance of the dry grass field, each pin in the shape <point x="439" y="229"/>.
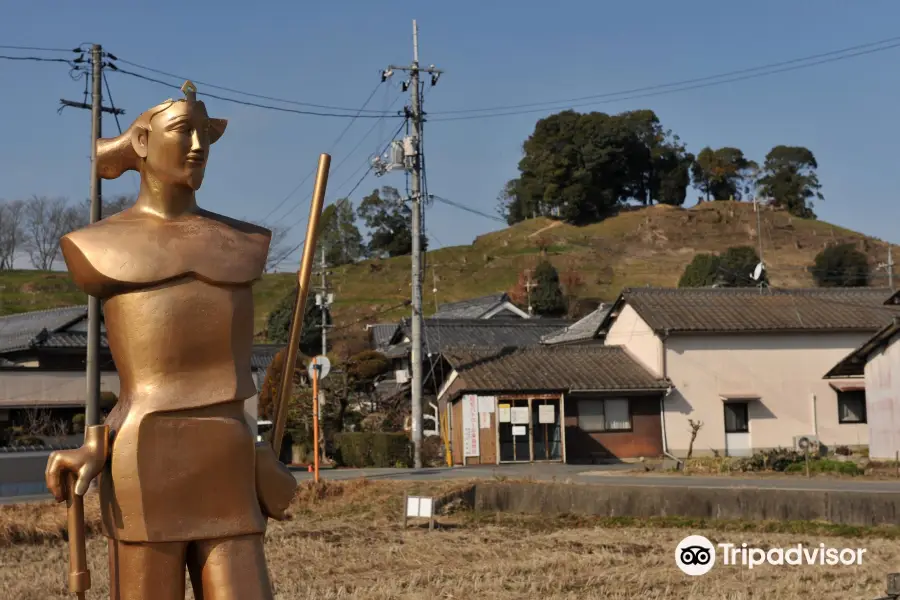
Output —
<point x="345" y="541"/>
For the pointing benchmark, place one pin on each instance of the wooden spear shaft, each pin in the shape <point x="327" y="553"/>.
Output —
<point x="309" y="247"/>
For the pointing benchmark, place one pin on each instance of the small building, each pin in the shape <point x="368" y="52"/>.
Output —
<point x="492" y="306"/>
<point x="582" y="331"/>
<point x="870" y="389"/>
<point x="748" y="363"/>
<point x="576" y="404"/>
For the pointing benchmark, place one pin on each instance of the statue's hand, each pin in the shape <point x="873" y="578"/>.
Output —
<point x="85" y="463"/>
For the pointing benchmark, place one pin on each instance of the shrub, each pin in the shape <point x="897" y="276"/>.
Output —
<point x="433" y="453"/>
<point x="843" y="451"/>
<point x="777" y="459"/>
<point x="372" y="449"/>
<point x="840" y="266"/>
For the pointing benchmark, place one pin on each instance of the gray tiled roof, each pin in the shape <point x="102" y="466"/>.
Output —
<point x="559" y="368"/>
<point x="263" y="355"/>
<point x="473" y="308"/>
<point x="581" y="330"/>
<point x="854" y="364"/>
<point x="381" y="333"/>
<point x="439" y="334"/>
<point x="67" y="339"/>
<point x="17" y="331"/>
<point x="729" y="310"/>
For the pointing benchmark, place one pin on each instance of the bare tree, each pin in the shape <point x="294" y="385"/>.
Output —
<point x="695" y="429"/>
<point x="12" y="233"/>
<point x="46" y="221"/>
<point x="109" y="207"/>
<point x="40" y="422"/>
<point x="278" y="247"/>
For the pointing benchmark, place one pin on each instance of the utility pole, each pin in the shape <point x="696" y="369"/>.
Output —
<point x="92" y="401"/>
<point x="415" y="168"/>
<point x="434" y="288"/>
<point x="323" y="301"/>
<point x="529" y="284"/>
<point x="889" y="266"/>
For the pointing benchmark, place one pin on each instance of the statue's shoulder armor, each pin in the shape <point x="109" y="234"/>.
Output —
<point x="134" y="250"/>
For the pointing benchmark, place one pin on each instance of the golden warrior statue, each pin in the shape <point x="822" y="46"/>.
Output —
<point x="183" y="485"/>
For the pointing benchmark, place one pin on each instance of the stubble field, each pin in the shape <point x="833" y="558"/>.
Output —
<point x="345" y="541"/>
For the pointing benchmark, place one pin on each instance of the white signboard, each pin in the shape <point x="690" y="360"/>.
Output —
<point x="520" y="415"/>
<point x="503" y="414"/>
<point x="417" y="506"/>
<point x="470" y="425"/>
<point x="484" y="420"/>
<point x="519" y="430"/>
<point x="546" y="413"/>
<point x="486" y="404"/>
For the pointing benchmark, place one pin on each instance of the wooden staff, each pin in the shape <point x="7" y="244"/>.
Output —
<point x="79" y="576"/>
<point x="309" y="246"/>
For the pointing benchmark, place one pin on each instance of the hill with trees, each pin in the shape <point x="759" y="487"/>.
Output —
<point x="637" y="247"/>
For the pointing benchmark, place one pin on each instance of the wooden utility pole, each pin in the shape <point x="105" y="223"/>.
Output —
<point x="92" y="401"/>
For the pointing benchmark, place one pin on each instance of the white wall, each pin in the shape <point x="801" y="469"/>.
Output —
<point x="63" y="388"/>
<point x="632" y="332"/>
<point x="784" y="370"/>
<point x="883" y="401"/>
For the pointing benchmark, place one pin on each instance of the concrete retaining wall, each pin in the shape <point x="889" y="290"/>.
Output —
<point x="22" y="474"/>
<point x="847" y="508"/>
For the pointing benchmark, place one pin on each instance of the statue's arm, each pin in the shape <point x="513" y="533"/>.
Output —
<point x="77" y="252"/>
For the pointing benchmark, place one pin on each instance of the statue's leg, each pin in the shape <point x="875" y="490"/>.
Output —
<point x="230" y="569"/>
<point x="146" y="571"/>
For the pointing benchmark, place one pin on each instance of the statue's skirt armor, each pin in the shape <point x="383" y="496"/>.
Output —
<point x="195" y="480"/>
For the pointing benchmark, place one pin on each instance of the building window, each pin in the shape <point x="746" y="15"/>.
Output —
<point x="611" y="414"/>
<point x="736" y="418"/>
<point x="852" y="407"/>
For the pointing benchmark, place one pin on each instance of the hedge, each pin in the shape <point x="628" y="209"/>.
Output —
<point x="372" y="449"/>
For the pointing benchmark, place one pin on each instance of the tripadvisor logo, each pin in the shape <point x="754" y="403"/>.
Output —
<point x="696" y="555"/>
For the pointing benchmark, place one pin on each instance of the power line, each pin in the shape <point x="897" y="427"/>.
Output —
<point x="284" y="255"/>
<point x="243" y="93"/>
<point x="254" y="104"/>
<point x="474" y="211"/>
<point x="40" y="49"/>
<point x="671" y="91"/>
<point x="37" y="59"/>
<point x="676" y="83"/>
<point x="330" y="151"/>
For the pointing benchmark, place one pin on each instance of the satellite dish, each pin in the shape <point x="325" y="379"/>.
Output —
<point x="758" y="271"/>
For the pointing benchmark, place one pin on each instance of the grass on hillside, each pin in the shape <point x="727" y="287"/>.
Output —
<point x="345" y="541"/>
<point x="648" y="246"/>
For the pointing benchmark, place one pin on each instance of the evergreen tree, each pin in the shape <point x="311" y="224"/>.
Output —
<point x="840" y="266"/>
<point x="703" y="271"/>
<point x="340" y="236"/>
<point x="547" y="297"/>
<point x="278" y="324"/>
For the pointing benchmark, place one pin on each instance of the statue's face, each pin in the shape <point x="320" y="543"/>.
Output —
<point x="178" y="144"/>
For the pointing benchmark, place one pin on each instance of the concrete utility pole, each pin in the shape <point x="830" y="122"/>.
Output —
<point x="92" y="401"/>
<point x="889" y="266"/>
<point x="415" y="169"/>
<point x="529" y="284"/>
<point x="323" y="301"/>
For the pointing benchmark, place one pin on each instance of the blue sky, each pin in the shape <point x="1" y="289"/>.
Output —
<point x="494" y="54"/>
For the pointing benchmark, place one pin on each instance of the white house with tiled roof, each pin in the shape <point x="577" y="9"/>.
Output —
<point x="748" y="364"/>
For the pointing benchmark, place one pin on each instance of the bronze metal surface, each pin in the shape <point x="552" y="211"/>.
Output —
<point x="183" y="485"/>
<point x="309" y="248"/>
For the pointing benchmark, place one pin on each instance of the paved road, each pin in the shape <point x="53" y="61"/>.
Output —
<point x="591" y="474"/>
